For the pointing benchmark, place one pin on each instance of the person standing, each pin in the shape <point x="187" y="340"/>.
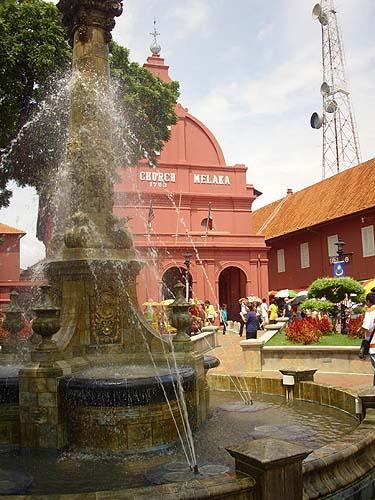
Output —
<point x="264" y="310"/>
<point x="252" y="323"/>
<point x="243" y="313"/>
<point x="209" y="311"/>
<point x="288" y="309"/>
<point x="223" y="317"/>
<point x="368" y="328"/>
<point x="273" y="312"/>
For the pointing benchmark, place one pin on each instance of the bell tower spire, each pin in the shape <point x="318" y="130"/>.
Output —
<point x="155" y="63"/>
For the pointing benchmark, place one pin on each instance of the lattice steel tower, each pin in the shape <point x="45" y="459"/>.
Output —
<point x="340" y="138"/>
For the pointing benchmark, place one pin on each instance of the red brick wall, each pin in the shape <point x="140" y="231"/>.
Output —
<point x="10" y="258"/>
<point x="348" y="229"/>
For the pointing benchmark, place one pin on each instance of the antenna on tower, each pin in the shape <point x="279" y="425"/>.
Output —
<point x="340" y="138"/>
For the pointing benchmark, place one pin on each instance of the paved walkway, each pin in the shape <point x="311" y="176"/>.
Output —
<point x="232" y="362"/>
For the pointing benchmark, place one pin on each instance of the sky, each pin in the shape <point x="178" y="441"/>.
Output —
<point x="251" y="71"/>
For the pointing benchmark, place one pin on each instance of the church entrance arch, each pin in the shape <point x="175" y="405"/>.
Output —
<point x="232" y="286"/>
<point x="170" y="279"/>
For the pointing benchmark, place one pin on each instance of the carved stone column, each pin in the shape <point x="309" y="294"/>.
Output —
<point x="90" y="160"/>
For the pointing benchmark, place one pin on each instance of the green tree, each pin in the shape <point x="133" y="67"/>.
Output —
<point x="321" y="305"/>
<point x="335" y="289"/>
<point x="32" y="46"/>
<point x="34" y="54"/>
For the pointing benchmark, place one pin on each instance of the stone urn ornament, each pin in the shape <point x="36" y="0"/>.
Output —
<point x="46" y="323"/>
<point x="13" y="322"/>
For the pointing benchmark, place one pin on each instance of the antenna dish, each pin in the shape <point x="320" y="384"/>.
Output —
<point x="325" y="89"/>
<point x="318" y="14"/>
<point x="316" y="120"/>
<point x="331" y="106"/>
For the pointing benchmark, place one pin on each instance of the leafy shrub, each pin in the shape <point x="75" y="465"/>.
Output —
<point x="324" y="325"/>
<point x="354" y="327"/>
<point x="335" y="289"/>
<point x="320" y="305"/>
<point x="303" y="331"/>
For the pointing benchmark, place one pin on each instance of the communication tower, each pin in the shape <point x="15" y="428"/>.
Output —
<point x="340" y="138"/>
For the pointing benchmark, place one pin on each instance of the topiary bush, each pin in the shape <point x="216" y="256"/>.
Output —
<point x="335" y="289"/>
<point x="321" y="305"/>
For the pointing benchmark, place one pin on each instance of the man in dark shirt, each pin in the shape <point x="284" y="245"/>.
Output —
<point x="252" y="323"/>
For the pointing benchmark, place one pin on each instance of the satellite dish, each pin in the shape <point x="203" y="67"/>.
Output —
<point x="317" y="11"/>
<point x="318" y="14"/>
<point x="331" y="106"/>
<point x="316" y="120"/>
<point x="325" y="89"/>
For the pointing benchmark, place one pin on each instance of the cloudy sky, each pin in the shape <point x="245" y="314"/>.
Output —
<point x="251" y="71"/>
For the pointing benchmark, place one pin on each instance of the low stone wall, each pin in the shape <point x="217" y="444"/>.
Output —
<point x="325" y="359"/>
<point x="205" y="341"/>
<point x="341" y="469"/>
<point x="330" y="359"/>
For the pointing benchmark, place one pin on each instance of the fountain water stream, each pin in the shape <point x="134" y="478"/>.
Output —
<point x="102" y="380"/>
<point x="91" y="309"/>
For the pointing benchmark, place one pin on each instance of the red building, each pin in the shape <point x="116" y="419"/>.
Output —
<point x="302" y="228"/>
<point x="9" y="260"/>
<point x="193" y="202"/>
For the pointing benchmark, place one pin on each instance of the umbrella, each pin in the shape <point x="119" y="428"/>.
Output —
<point x="286" y="292"/>
<point x="368" y="285"/>
<point x="254" y="298"/>
<point x="167" y="302"/>
<point x="151" y="302"/>
<point x="298" y="300"/>
<point x="302" y="293"/>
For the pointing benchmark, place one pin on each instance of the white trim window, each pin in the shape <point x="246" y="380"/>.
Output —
<point x="332" y="248"/>
<point x="305" y="255"/>
<point x="368" y="247"/>
<point x="280" y="261"/>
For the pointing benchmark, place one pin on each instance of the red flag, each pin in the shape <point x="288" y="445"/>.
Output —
<point x="151" y="214"/>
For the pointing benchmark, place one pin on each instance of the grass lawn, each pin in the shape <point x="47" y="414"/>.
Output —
<point x="329" y="339"/>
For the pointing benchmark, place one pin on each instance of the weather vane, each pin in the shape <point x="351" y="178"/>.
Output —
<point x="155" y="47"/>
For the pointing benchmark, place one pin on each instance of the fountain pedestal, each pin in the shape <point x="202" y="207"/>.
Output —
<point x="41" y="422"/>
<point x="276" y="466"/>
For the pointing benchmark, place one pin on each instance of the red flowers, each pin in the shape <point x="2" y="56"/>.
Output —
<point x="307" y="330"/>
<point x="354" y="326"/>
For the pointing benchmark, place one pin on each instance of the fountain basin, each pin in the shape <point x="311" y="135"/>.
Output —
<point x="132" y="409"/>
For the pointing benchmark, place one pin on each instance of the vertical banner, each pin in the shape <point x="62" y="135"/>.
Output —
<point x="339" y="269"/>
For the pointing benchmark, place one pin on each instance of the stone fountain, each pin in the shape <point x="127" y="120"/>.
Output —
<point x="100" y="378"/>
<point x="88" y="316"/>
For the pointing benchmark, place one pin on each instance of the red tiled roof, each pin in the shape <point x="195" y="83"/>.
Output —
<point x="348" y="192"/>
<point x="4" y="229"/>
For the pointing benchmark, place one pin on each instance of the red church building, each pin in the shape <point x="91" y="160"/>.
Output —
<point x="193" y="202"/>
<point x="303" y="227"/>
<point x="9" y="261"/>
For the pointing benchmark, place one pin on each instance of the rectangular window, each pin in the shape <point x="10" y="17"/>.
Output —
<point x="305" y="255"/>
<point x="332" y="248"/>
<point x="368" y="248"/>
<point x="280" y="261"/>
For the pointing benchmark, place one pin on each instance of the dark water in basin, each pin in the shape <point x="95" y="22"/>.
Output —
<point x="231" y="422"/>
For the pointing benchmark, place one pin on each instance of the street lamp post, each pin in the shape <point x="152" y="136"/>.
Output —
<point x="340" y="256"/>
<point x="187" y="256"/>
<point x="340" y="249"/>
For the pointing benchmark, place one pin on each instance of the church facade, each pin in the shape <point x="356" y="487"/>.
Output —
<point x="191" y="217"/>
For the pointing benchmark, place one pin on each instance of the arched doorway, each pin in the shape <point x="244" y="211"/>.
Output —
<point x="232" y="286"/>
<point x="170" y="279"/>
